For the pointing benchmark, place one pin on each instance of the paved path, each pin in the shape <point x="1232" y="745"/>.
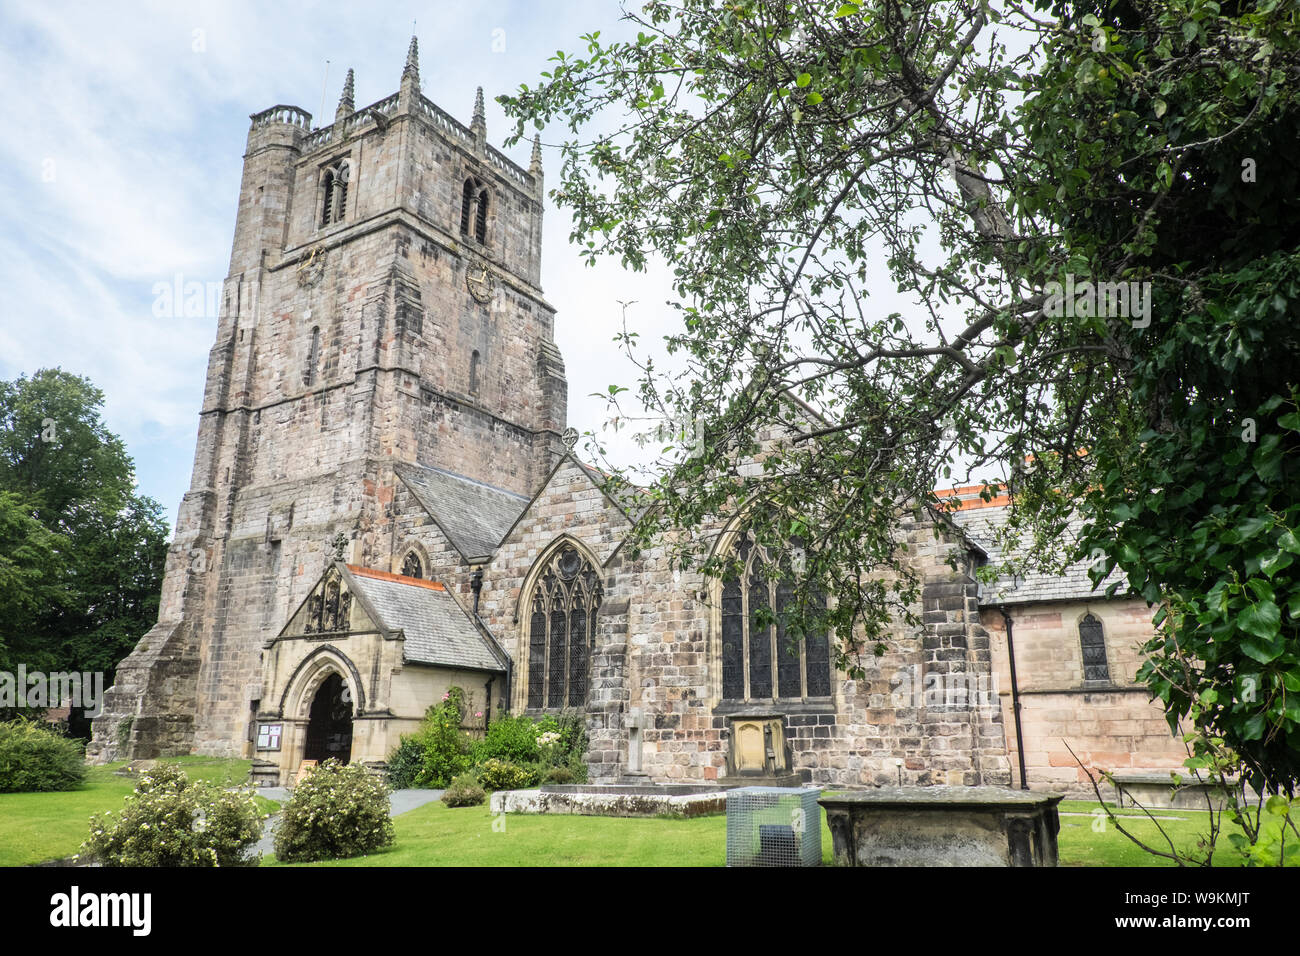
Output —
<point x="399" y="802"/>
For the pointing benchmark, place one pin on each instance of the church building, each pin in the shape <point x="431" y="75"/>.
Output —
<point x="385" y="504"/>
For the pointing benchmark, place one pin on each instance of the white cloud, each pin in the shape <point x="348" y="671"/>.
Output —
<point x="121" y="165"/>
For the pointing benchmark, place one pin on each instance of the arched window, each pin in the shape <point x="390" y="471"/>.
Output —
<point x="757" y="663"/>
<point x="334" y="183"/>
<point x="412" y="566"/>
<point x="562" y="630"/>
<point x="313" y="358"/>
<point x="1093" y="643"/>
<point x="474" y="210"/>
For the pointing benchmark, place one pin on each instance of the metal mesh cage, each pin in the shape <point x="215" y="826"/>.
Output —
<point x="774" y="826"/>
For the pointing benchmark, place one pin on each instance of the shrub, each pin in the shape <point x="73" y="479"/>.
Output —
<point x="36" y="759"/>
<point x="405" y="763"/>
<point x="446" y="746"/>
<point x="464" y="792"/>
<point x="513" y="739"/>
<point x="171" y="820"/>
<point x="337" y="811"/>
<point x="496" y="774"/>
<point x="559" y="775"/>
<point x="571" y="725"/>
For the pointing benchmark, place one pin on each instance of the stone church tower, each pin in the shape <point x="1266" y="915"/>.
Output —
<point x="382" y="311"/>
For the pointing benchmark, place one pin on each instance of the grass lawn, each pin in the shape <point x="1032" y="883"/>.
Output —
<point x="1081" y="845"/>
<point x="35" y="827"/>
<point x="434" y="835"/>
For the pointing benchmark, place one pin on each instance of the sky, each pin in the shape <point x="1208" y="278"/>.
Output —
<point x="125" y="126"/>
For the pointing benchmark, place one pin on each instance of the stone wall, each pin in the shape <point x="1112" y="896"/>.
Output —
<point x="1113" y="725"/>
<point x="655" y="667"/>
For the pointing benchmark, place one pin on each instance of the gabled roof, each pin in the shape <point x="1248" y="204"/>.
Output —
<point x="436" y="628"/>
<point x="474" y="516"/>
<point x="981" y="525"/>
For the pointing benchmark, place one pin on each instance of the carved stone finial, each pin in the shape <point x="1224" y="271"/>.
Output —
<point x="412" y="68"/>
<point x="478" y="125"/>
<point x="340" y="544"/>
<point x="347" y="102"/>
<point x="569" y="437"/>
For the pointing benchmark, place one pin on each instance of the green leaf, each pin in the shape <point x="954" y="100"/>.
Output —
<point x="1262" y="620"/>
<point x="1275" y="563"/>
<point x="1264" y="651"/>
<point x="847" y="10"/>
<point x="1160" y="106"/>
<point x="802" y="80"/>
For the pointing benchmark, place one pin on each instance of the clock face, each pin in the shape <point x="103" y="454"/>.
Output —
<point x="479" y="281"/>
<point x="311" y="266"/>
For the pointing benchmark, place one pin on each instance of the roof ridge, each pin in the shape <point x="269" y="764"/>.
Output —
<point x="395" y="578"/>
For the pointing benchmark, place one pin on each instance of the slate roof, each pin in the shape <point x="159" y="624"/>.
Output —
<point x="473" y="515"/>
<point x="981" y="523"/>
<point x="437" y="629"/>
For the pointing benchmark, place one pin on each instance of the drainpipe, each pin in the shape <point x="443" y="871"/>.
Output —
<point x="476" y="585"/>
<point x="1015" y="697"/>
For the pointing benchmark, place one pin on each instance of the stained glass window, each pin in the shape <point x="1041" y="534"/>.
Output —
<point x="562" y="630"/>
<point x="755" y="641"/>
<point x="1094" y="649"/>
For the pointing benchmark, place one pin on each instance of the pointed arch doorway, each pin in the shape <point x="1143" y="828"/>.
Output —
<point x="329" y="726"/>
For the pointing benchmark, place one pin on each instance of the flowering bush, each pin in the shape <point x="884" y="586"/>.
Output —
<point x="508" y="738"/>
<point x="496" y="774"/>
<point x="464" y="791"/>
<point x="36" y="759"/>
<point x="535" y="746"/>
<point x="337" y="811"/>
<point x="171" y="820"/>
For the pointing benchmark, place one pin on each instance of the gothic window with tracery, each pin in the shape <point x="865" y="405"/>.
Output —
<point x="757" y="663"/>
<point x="562" y="630"/>
<point x="1093" y="643"/>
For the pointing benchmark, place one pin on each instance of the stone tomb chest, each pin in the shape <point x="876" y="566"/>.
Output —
<point x="942" y="826"/>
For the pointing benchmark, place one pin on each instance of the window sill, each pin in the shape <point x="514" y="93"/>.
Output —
<point x="772" y="708"/>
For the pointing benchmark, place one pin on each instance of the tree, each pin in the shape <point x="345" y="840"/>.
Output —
<point x="995" y="164"/>
<point x="87" y="551"/>
<point x="30" y="559"/>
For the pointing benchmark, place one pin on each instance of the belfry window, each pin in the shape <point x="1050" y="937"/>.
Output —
<point x="757" y="663"/>
<point x="1093" y="644"/>
<point x="474" y="210"/>
<point x="334" y="184"/>
<point x="562" y="630"/>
